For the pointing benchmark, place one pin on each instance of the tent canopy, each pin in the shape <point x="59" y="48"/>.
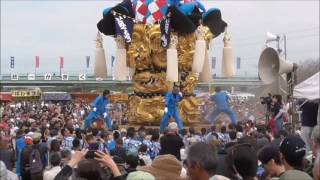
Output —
<point x="309" y="88"/>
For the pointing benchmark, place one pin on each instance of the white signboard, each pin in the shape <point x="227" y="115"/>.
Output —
<point x="65" y="77"/>
<point x="47" y="76"/>
<point x="14" y="76"/>
<point x="82" y="77"/>
<point x="31" y="77"/>
<point x="99" y="79"/>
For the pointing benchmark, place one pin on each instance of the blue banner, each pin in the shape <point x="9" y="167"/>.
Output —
<point x="88" y="61"/>
<point x="112" y="60"/>
<point x="213" y="61"/>
<point x="238" y="62"/>
<point x="124" y="27"/>
<point x="12" y="62"/>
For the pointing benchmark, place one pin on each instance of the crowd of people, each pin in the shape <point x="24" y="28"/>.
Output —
<point x="40" y="141"/>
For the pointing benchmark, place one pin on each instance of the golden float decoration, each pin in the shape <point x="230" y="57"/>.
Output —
<point x="146" y="55"/>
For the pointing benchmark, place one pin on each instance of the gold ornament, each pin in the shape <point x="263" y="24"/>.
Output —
<point x="140" y="111"/>
<point x="147" y="82"/>
<point x="189" y="84"/>
<point x="185" y="49"/>
<point x="188" y="110"/>
<point x="138" y="51"/>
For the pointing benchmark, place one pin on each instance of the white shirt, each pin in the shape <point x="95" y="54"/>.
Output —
<point x="51" y="173"/>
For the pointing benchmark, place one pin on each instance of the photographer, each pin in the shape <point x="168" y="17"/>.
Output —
<point x="267" y="101"/>
<point x="277" y="112"/>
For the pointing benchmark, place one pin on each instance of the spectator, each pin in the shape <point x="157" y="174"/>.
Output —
<point x="119" y="150"/>
<point x="89" y="169"/>
<point x="193" y="134"/>
<point x="211" y="135"/>
<point x="65" y="157"/>
<point x="223" y="135"/>
<point x="140" y="175"/>
<point x="67" y="139"/>
<point x="123" y="134"/>
<point x="131" y="143"/>
<point x="201" y="161"/>
<point x="121" y="164"/>
<point x="6" y="155"/>
<point x="5" y="174"/>
<point x="278" y="138"/>
<point x="79" y="135"/>
<point x="143" y="155"/>
<point x="269" y="156"/>
<point x="316" y="172"/>
<point x="20" y="145"/>
<point x="233" y="139"/>
<point x="171" y="143"/>
<point x="293" y="150"/>
<point x="76" y="145"/>
<point x="164" y="167"/>
<point x="33" y="159"/>
<point x="132" y="161"/>
<point x="54" y="146"/>
<point x="244" y="161"/>
<point x="315" y="140"/>
<point x="55" y="161"/>
<point x="203" y="134"/>
<point x="308" y="120"/>
<point x="154" y="148"/>
<point x="111" y="143"/>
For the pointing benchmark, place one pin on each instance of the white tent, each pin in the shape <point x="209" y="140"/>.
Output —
<point x="309" y="88"/>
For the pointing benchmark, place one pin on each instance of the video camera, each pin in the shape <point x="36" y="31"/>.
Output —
<point x="266" y="100"/>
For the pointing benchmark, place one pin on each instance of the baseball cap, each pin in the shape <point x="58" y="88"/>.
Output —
<point x="294" y="149"/>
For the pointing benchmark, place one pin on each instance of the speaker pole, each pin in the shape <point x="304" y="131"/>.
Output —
<point x="285" y="45"/>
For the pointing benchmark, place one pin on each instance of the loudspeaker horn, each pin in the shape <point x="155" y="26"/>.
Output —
<point x="271" y="65"/>
<point x="272" y="37"/>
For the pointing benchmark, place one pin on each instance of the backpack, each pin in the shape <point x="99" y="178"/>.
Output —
<point x="35" y="161"/>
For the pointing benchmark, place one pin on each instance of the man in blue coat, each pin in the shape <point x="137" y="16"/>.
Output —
<point x="99" y="107"/>
<point x="221" y="100"/>
<point x="20" y="145"/>
<point x="172" y="100"/>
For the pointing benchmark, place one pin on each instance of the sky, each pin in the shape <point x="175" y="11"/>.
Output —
<point x="50" y="29"/>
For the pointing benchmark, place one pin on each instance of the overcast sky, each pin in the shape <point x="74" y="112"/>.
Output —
<point x="51" y="29"/>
